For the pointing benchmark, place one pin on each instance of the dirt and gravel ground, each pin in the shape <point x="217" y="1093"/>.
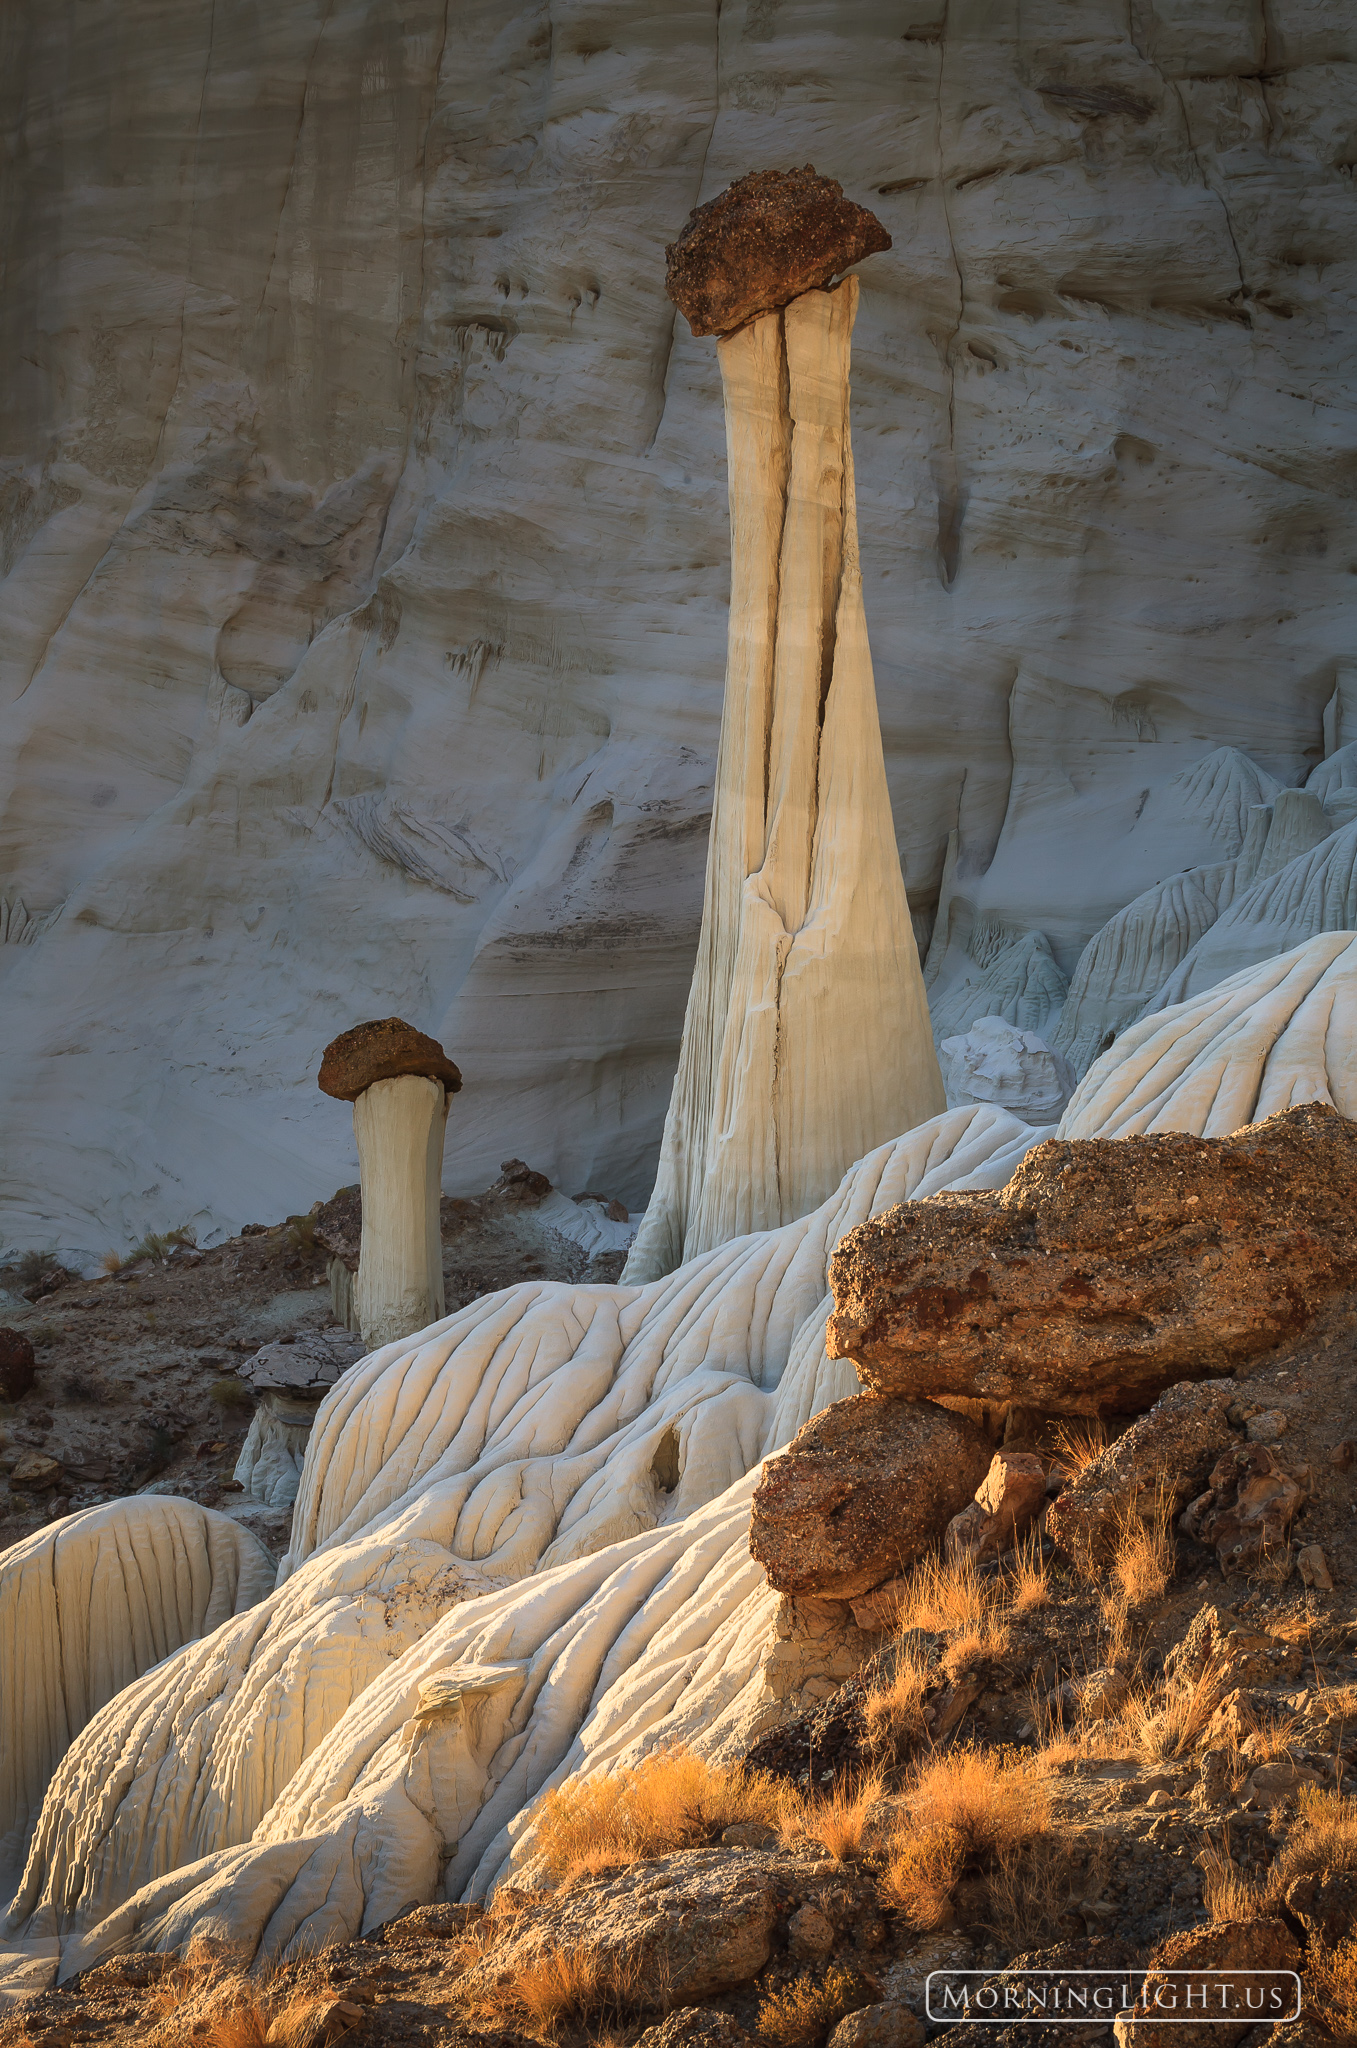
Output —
<point x="136" y="1386"/>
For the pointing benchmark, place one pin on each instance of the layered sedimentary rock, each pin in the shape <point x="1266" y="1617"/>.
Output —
<point x="806" y="1038"/>
<point x="366" y="546"/>
<point x="1103" y="1272"/>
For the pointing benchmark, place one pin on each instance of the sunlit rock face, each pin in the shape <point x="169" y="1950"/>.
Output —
<point x="364" y="521"/>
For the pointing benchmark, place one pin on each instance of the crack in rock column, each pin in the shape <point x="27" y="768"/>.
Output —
<point x="806" y="1040"/>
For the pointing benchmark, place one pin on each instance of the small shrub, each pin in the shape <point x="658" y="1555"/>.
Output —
<point x="157" y="1245"/>
<point x="229" y="1394"/>
<point x="29" y="1267"/>
<point x="301" y="1235"/>
<point x="111" y="1262"/>
<point x="671" y="1801"/>
<point x="975" y="1645"/>
<point x="1033" y="1887"/>
<point x="806" y="2011"/>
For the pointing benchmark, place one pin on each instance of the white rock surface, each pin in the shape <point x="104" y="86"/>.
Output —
<point x="806" y="1038"/>
<point x="365" y="527"/>
<point x="995" y="1062"/>
<point x="89" y="1604"/>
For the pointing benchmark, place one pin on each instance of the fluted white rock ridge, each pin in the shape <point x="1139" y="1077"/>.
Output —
<point x="806" y="1039"/>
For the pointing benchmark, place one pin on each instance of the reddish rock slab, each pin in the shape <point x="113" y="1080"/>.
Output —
<point x="1107" y="1269"/>
<point x="863" y="1489"/>
<point x="382" y="1051"/>
<point x="1010" y="1496"/>
<point x="1147" y="1474"/>
<point x="761" y="243"/>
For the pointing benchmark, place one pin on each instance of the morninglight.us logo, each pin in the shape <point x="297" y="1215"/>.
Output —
<point x="1074" y="1997"/>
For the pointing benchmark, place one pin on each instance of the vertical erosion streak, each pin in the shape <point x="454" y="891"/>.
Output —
<point x="950" y="505"/>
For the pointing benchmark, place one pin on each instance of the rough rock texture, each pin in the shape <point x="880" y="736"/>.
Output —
<point x="366" y="530"/>
<point x="861" y="1491"/>
<point x="1103" y="1272"/>
<point x="696" y="2026"/>
<point x="1250" y="1502"/>
<point x="995" y="1062"/>
<point x="382" y="1051"/>
<point x="308" y="1362"/>
<point x="764" y="241"/>
<point x="1148" y="1472"/>
<point x="1227" y="1948"/>
<point x="1011" y="1494"/>
<point x="692" y="1925"/>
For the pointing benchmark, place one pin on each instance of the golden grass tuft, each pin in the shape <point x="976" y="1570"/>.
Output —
<point x="836" y="1821"/>
<point x="1142" y="1562"/>
<point x="943" y="1596"/>
<point x="805" y="2011"/>
<point x="1172" y="1729"/>
<point x="894" y="1708"/>
<point x="568" y="1987"/>
<point x="1331" y="1988"/>
<point x="1226" y="1893"/>
<point x="974" y="1645"/>
<point x="1078" y="1444"/>
<point x="1028" y="1586"/>
<point x="673" y="1800"/>
<point x="1323" y="1836"/>
<point x="209" y="2004"/>
<point x="965" y="1806"/>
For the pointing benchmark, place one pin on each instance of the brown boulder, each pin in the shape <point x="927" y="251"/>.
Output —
<point x="1325" y="1903"/>
<point x="1220" y="1965"/>
<point x="1150" y="1470"/>
<point x="761" y="243"/>
<point x="1010" y="1496"/>
<point x="1249" y="1504"/>
<point x="34" y="1471"/>
<point x="16" y="1365"/>
<point x="865" y="1487"/>
<point x="382" y="1051"/>
<point x="1107" y="1268"/>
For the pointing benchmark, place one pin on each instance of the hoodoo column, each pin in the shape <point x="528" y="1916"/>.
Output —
<point x="806" y="1040"/>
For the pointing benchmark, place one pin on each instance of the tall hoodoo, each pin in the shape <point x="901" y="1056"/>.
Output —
<point x="806" y="1040"/>
<point x="398" y="1081"/>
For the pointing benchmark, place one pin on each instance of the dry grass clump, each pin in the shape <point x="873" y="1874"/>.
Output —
<point x="1226" y="1893"/>
<point x="213" y="2005"/>
<point x="671" y="1801"/>
<point x="1142" y="1561"/>
<point x="1077" y="1444"/>
<point x="943" y="1595"/>
<point x="806" y="2011"/>
<point x="964" y="1807"/>
<point x="894" y="1709"/>
<point x="836" y="1822"/>
<point x="1331" y="1988"/>
<point x="1028" y="1586"/>
<point x="566" y="1987"/>
<point x="1162" y="1733"/>
<point x="1322" y="1837"/>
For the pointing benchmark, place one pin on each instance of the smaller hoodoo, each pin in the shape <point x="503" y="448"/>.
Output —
<point x="806" y="1040"/>
<point x="399" y="1082"/>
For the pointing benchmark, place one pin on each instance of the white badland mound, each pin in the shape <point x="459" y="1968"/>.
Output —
<point x="806" y="1040"/>
<point x="535" y="1428"/>
<point x="301" y="1776"/>
<point x="89" y="1604"/>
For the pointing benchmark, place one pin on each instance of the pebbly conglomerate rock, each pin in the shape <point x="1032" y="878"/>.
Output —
<point x="761" y="243"/>
<point x="1106" y="1269"/>
<point x="864" y="1488"/>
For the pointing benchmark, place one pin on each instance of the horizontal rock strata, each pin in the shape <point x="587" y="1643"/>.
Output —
<point x="1104" y="1271"/>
